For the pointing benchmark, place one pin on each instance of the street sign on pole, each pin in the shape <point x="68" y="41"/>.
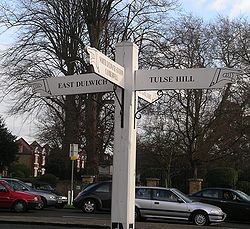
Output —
<point x="148" y="96"/>
<point x="73" y="154"/>
<point x="71" y="85"/>
<point x="106" y="67"/>
<point x="193" y="78"/>
<point x="73" y="151"/>
<point x="129" y="81"/>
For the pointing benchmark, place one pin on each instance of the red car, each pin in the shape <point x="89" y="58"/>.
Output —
<point x="15" y="200"/>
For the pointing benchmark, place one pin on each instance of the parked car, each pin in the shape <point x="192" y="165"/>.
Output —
<point x="16" y="200"/>
<point x="48" y="198"/>
<point x="234" y="203"/>
<point x="43" y="186"/>
<point x="151" y="202"/>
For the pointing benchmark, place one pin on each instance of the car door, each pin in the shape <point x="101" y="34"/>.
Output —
<point x="166" y="204"/>
<point x="235" y="207"/>
<point x="5" y="197"/>
<point x="143" y="201"/>
<point x="103" y="192"/>
<point x="211" y="196"/>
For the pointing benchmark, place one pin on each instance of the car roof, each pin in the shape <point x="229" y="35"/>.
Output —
<point x="147" y="187"/>
<point x="154" y="187"/>
<point x="8" y="178"/>
<point x="218" y="188"/>
<point x="215" y="188"/>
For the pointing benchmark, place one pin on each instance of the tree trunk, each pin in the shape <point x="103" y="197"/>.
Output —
<point x="71" y="135"/>
<point x="91" y="136"/>
<point x="194" y="169"/>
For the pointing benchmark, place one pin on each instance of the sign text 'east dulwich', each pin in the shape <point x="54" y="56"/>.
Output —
<point x="69" y="85"/>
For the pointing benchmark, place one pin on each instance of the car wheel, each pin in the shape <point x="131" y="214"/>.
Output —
<point x="89" y="206"/>
<point x="44" y="202"/>
<point x="200" y="218"/>
<point x="40" y="206"/>
<point x="19" y="206"/>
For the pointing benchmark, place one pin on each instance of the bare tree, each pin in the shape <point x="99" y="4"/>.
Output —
<point x="53" y="37"/>
<point x="200" y="117"/>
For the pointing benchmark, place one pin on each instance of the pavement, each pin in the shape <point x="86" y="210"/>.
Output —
<point x="91" y="223"/>
<point x="83" y="223"/>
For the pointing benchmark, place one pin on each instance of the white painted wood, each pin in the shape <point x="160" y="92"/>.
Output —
<point x="70" y="85"/>
<point x="124" y="159"/>
<point x="193" y="78"/>
<point x="106" y="67"/>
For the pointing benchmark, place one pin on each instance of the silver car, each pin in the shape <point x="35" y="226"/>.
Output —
<point x="48" y="199"/>
<point x="168" y="203"/>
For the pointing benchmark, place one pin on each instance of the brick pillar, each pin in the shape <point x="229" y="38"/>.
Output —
<point x="88" y="179"/>
<point x="194" y="185"/>
<point x="153" y="182"/>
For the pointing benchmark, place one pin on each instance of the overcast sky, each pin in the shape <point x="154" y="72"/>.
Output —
<point x="207" y="9"/>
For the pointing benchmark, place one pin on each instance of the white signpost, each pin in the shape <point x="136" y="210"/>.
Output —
<point x="193" y="78"/>
<point x="106" y="67"/>
<point x="129" y="79"/>
<point x="70" y="85"/>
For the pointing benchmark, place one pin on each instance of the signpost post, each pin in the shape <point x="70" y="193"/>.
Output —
<point x="73" y="154"/>
<point x="124" y="158"/>
<point x="129" y="79"/>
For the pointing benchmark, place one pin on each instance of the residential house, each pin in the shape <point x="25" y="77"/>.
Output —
<point x="33" y="156"/>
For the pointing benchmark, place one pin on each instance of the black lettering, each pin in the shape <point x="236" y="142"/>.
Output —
<point x="152" y="79"/>
<point x="66" y="85"/>
<point x="91" y="82"/>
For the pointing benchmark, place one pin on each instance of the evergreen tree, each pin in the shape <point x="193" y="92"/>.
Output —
<point x="8" y="147"/>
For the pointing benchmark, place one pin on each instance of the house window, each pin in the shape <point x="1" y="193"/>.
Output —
<point x="36" y="159"/>
<point x="42" y="171"/>
<point x="35" y="172"/>
<point x="43" y="160"/>
<point x="78" y="163"/>
<point x="83" y="164"/>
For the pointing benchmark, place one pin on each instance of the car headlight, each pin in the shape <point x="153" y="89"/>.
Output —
<point x="36" y="198"/>
<point x="215" y="211"/>
<point x="52" y="197"/>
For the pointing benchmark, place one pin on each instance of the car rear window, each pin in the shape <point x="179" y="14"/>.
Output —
<point x="164" y="195"/>
<point x="103" y="188"/>
<point x="211" y="193"/>
<point x="142" y="193"/>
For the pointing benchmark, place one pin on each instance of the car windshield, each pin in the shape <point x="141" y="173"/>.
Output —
<point x="182" y="196"/>
<point x="46" y="187"/>
<point x="26" y="186"/>
<point x="19" y="185"/>
<point x="88" y="187"/>
<point x="243" y="195"/>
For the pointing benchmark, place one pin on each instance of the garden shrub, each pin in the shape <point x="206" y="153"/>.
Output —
<point x="222" y="177"/>
<point x="244" y="186"/>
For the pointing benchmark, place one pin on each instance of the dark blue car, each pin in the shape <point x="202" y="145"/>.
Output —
<point x="94" y="196"/>
<point x="234" y="203"/>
